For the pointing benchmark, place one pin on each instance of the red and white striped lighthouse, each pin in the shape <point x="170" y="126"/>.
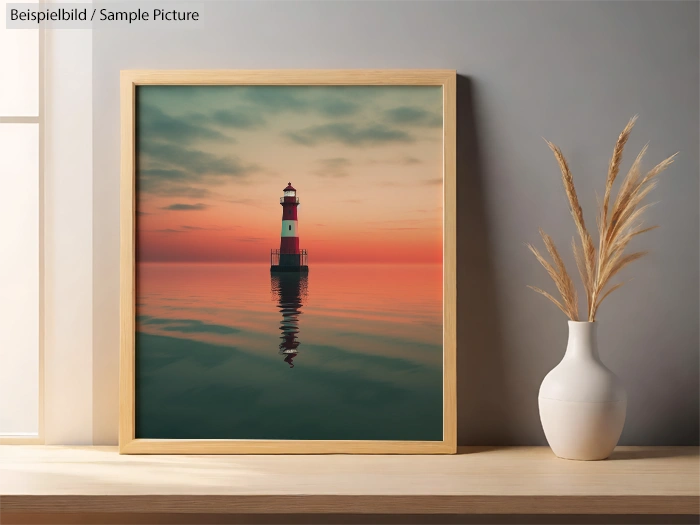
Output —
<point x="289" y="258"/>
<point x="290" y="231"/>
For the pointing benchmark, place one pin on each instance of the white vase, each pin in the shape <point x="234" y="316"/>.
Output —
<point x="582" y="403"/>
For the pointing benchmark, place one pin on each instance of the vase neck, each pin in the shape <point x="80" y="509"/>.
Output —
<point x="583" y="341"/>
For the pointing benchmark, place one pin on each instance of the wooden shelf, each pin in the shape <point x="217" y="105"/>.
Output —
<point x="44" y="480"/>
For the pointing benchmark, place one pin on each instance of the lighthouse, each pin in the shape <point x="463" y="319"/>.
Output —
<point x="289" y="258"/>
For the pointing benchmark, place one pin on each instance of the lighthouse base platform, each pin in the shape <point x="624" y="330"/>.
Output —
<point x="276" y="268"/>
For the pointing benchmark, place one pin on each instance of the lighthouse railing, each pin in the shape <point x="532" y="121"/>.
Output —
<point x="275" y="257"/>
<point x="284" y="199"/>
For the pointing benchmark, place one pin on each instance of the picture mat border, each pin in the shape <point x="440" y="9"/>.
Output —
<point x="129" y="81"/>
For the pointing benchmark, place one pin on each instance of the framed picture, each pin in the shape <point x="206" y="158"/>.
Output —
<point x="288" y="262"/>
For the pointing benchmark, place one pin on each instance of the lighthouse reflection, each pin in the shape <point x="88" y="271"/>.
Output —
<point x="289" y="290"/>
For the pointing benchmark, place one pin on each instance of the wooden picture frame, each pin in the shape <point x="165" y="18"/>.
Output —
<point x="129" y="443"/>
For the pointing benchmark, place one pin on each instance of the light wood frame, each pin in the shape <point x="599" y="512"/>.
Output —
<point x="128" y="443"/>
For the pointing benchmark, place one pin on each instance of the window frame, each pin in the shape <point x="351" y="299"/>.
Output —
<point x="39" y="438"/>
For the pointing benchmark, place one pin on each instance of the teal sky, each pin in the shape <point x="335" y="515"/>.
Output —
<point x="366" y="160"/>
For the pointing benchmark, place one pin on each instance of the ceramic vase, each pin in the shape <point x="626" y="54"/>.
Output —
<point x="582" y="403"/>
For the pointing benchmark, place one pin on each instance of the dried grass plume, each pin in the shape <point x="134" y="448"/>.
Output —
<point x="616" y="227"/>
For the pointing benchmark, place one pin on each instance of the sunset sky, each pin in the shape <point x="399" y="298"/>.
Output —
<point x="366" y="163"/>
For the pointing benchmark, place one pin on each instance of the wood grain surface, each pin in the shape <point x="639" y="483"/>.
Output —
<point x="520" y="480"/>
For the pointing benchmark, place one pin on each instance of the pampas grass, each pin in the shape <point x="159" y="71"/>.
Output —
<point x="617" y="225"/>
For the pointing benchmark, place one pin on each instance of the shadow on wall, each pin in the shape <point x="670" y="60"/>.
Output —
<point x="483" y="403"/>
<point x="489" y="409"/>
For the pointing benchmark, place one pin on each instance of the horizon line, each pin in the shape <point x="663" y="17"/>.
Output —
<point x="267" y="264"/>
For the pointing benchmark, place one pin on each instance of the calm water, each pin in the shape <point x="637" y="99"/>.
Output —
<point x="346" y="352"/>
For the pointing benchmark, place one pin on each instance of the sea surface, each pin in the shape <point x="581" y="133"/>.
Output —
<point x="229" y="351"/>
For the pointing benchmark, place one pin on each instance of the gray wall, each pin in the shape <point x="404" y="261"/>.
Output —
<point x="573" y="72"/>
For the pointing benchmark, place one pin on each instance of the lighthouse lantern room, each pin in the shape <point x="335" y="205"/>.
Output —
<point x="289" y="258"/>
